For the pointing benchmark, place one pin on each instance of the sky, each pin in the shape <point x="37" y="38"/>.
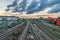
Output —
<point x="4" y="3"/>
<point x="30" y="6"/>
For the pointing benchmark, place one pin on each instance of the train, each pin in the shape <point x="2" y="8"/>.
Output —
<point x="58" y="21"/>
<point x="55" y="21"/>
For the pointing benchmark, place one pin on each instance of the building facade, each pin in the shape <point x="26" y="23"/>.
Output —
<point x="7" y="20"/>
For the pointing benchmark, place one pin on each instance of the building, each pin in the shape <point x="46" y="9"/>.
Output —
<point x="7" y="20"/>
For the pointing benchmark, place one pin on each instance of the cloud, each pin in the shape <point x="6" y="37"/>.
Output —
<point x="53" y="2"/>
<point x="44" y="12"/>
<point x="41" y="6"/>
<point x="55" y="8"/>
<point x="13" y="4"/>
<point x="31" y="6"/>
<point x="19" y="1"/>
<point x="38" y="0"/>
<point x="28" y="3"/>
<point x="4" y="3"/>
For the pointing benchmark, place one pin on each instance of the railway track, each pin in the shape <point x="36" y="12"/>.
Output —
<point x="10" y="32"/>
<point x="32" y="32"/>
<point x="47" y="32"/>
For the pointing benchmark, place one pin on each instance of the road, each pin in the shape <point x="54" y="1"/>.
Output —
<point x="34" y="31"/>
